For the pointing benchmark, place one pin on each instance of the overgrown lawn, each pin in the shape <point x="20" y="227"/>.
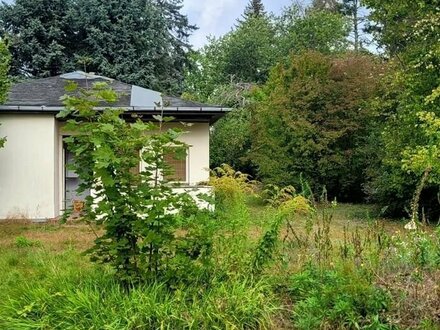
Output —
<point x="347" y="272"/>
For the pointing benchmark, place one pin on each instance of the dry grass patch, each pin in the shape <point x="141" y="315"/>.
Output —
<point x="416" y="296"/>
<point x="52" y="235"/>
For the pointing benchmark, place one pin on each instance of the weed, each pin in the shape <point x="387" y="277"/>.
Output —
<point x="275" y="195"/>
<point x="231" y="186"/>
<point x="23" y="242"/>
<point x="278" y="268"/>
<point x="335" y="299"/>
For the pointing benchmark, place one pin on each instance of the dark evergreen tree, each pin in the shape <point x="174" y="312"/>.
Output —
<point x="179" y="30"/>
<point x="136" y="41"/>
<point x="144" y="42"/>
<point x="37" y="32"/>
<point x="254" y="8"/>
<point x="330" y="5"/>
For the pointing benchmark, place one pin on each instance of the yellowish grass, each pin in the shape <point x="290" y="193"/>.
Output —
<point x="55" y="236"/>
<point x="52" y="235"/>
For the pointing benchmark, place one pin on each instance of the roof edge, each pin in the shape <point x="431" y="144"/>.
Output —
<point x="6" y="108"/>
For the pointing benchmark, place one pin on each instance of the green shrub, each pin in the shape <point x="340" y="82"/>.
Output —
<point x="231" y="186"/>
<point x="143" y="239"/>
<point x="336" y="299"/>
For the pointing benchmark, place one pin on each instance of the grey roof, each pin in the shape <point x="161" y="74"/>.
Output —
<point x="43" y="96"/>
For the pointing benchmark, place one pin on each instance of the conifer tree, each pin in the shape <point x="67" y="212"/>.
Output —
<point x="144" y="42"/>
<point x="254" y="8"/>
<point x="330" y="5"/>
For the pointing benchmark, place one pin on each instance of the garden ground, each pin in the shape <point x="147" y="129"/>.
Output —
<point x="331" y="276"/>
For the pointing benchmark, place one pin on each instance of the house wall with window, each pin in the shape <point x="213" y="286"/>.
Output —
<point x="34" y="182"/>
<point x="197" y="159"/>
<point x="32" y="164"/>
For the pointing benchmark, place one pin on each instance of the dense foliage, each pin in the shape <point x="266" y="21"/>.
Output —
<point x="139" y="42"/>
<point x="322" y="119"/>
<point x="5" y="58"/>
<point x="320" y="30"/>
<point x="335" y="297"/>
<point x="411" y="104"/>
<point x="244" y="55"/>
<point x="258" y="42"/>
<point x="231" y="141"/>
<point x="227" y="70"/>
<point x="359" y="130"/>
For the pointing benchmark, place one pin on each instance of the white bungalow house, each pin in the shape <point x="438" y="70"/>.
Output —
<point x="34" y="182"/>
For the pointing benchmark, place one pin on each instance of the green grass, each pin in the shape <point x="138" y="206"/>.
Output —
<point x="62" y="290"/>
<point x="46" y="282"/>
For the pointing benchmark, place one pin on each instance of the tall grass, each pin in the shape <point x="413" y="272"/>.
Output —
<point x="44" y="290"/>
<point x="282" y="267"/>
<point x="56" y="293"/>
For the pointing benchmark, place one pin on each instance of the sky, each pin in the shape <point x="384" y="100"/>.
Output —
<point x="217" y="17"/>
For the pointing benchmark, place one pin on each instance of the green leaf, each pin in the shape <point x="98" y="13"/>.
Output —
<point x="158" y="118"/>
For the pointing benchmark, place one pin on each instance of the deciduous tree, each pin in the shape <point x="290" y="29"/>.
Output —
<point x="144" y="237"/>
<point x="244" y="55"/>
<point x="320" y="30"/>
<point x="409" y="30"/>
<point x="314" y="120"/>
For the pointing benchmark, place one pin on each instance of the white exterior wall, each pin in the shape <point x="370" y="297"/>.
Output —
<point x="32" y="172"/>
<point x="197" y="138"/>
<point x="28" y="175"/>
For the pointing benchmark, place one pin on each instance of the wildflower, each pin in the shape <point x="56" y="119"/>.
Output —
<point x="411" y="225"/>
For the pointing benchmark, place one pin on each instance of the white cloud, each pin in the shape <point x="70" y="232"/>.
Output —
<point x="217" y="17"/>
<point x="213" y="17"/>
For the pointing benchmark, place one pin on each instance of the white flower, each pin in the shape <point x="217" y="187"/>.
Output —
<point x="411" y="225"/>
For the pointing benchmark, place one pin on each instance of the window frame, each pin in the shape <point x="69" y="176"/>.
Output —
<point x="187" y="167"/>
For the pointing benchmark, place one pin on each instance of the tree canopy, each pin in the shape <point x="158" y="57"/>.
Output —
<point x="137" y="41"/>
<point x="313" y="120"/>
<point x="254" y="8"/>
<point x="228" y="69"/>
<point x="409" y="30"/>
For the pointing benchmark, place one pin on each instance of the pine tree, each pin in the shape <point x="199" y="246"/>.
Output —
<point x="143" y="42"/>
<point x="37" y="31"/>
<point x="254" y="8"/>
<point x="330" y="5"/>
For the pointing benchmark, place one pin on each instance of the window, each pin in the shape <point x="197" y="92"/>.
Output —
<point x="177" y="166"/>
<point x="71" y="184"/>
